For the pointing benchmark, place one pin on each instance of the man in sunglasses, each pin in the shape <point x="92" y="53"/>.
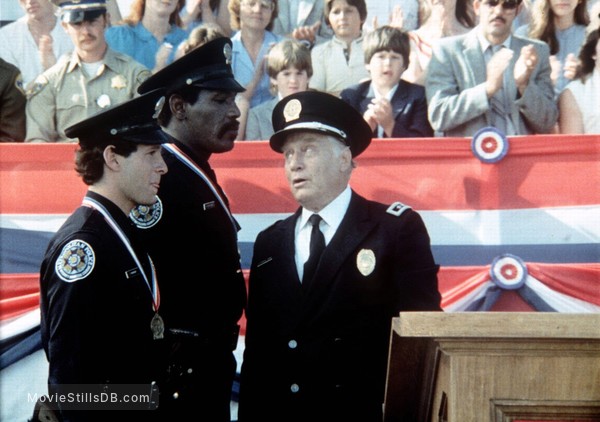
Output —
<point x="490" y="77"/>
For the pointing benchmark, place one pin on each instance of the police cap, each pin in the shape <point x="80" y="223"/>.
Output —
<point x="207" y="66"/>
<point x="320" y="112"/>
<point x="131" y="121"/>
<point x="74" y="11"/>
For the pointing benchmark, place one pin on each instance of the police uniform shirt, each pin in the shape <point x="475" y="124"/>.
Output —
<point x="96" y="308"/>
<point x="332" y="216"/>
<point x="65" y="94"/>
<point x="12" y="104"/>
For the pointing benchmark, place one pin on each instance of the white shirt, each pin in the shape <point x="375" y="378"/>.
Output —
<point x="18" y="47"/>
<point x="587" y="96"/>
<point x="332" y="216"/>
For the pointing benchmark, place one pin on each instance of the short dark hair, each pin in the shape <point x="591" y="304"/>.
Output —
<point x="586" y="54"/>
<point x="89" y="161"/>
<point x="361" y="5"/>
<point x="387" y="38"/>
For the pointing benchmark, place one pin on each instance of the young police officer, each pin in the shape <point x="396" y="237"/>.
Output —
<point x="100" y="301"/>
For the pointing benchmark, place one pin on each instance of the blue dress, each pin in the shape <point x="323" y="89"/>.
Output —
<point x="244" y="68"/>
<point x="139" y="43"/>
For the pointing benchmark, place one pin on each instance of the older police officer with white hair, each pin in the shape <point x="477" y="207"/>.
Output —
<point x="326" y="282"/>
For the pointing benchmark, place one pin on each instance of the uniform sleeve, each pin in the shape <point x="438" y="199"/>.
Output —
<point x="12" y="107"/>
<point x="41" y="112"/>
<point x="415" y="275"/>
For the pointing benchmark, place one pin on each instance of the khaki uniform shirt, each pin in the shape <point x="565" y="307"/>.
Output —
<point x="64" y="94"/>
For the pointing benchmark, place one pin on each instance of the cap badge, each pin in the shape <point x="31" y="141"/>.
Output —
<point x="158" y="107"/>
<point x="292" y="110"/>
<point x="227" y="53"/>
<point x="365" y="261"/>
<point x="103" y="101"/>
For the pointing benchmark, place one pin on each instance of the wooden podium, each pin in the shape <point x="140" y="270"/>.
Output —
<point x="493" y="367"/>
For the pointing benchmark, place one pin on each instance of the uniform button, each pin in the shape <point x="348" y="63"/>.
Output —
<point x="292" y="344"/>
<point x="294" y="388"/>
<point x="337" y="339"/>
<point x="190" y="370"/>
<point x="175" y="395"/>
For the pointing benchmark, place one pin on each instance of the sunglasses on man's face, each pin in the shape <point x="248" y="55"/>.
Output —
<point x="506" y="5"/>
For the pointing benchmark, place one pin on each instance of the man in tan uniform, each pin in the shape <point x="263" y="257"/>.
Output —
<point x="92" y="78"/>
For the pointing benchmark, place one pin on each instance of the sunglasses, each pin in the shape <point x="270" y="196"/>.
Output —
<point x="506" y="5"/>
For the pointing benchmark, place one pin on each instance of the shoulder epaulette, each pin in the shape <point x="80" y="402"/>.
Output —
<point x="397" y="208"/>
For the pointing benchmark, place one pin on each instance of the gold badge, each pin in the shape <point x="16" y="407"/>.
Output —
<point x="227" y="53"/>
<point x="365" y="261"/>
<point x="292" y="110"/>
<point x="118" y="82"/>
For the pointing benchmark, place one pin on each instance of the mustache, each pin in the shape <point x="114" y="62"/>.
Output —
<point x="493" y="18"/>
<point x="87" y="38"/>
<point x="231" y="126"/>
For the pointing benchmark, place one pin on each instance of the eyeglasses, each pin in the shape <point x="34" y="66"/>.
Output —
<point x="506" y="5"/>
<point x="266" y="5"/>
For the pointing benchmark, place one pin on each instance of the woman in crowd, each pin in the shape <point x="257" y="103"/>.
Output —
<point x="392" y="107"/>
<point x="211" y="12"/>
<point x="151" y="32"/>
<point x="339" y="62"/>
<point x="253" y="20"/>
<point x="579" y="103"/>
<point x="440" y="18"/>
<point x="561" y="24"/>
<point x="289" y="68"/>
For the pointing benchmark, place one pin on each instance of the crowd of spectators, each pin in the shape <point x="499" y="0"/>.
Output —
<point x="413" y="68"/>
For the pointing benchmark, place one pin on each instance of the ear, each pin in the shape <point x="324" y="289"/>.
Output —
<point x="177" y="106"/>
<point x="345" y="160"/>
<point x="111" y="159"/>
<point x="476" y="5"/>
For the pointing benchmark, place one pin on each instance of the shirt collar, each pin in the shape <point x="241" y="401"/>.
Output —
<point x="485" y="43"/>
<point x="333" y="213"/>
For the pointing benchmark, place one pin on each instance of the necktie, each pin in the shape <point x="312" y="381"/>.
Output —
<point x="317" y="245"/>
<point x="500" y="108"/>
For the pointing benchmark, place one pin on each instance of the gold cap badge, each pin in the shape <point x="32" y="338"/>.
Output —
<point x="292" y="110"/>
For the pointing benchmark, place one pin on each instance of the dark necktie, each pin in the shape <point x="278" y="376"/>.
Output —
<point x="317" y="244"/>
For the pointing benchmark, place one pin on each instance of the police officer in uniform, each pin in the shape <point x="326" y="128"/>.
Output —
<point x="193" y="236"/>
<point x="326" y="282"/>
<point x="100" y="303"/>
<point x="93" y="77"/>
<point x="12" y="104"/>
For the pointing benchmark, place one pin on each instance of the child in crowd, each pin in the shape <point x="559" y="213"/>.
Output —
<point x="392" y="107"/>
<point x="289" y="68"/>
<point x="339" y="62"/>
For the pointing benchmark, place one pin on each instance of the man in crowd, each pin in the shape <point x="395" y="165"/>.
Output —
<point x="192" y="236"/>
<point x="35" y="41"/>
<point x="93" y="78"/>
<point x="489" y="77"/>
<point x="326" y="282"/>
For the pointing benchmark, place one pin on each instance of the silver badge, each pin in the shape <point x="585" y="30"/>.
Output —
<point x="365" y="261"/>
<point x="75" y="262"/>
<point x="103" y="101"/>
<point x="158" y="107"/>
<point x="146" y="216"/>
<point x="227" y="53"/>
<point x="158" y="327"/>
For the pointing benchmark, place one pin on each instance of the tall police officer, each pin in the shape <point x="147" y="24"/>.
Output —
<point x="193" y="236"/>
<point x="100" y="303"/>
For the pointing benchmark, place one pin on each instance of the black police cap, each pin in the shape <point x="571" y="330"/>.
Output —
<point x="73" y="11"/>
<point x="207" y="66"/>
<point x="131" y="121"/>
<point x="320" y="112"/>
